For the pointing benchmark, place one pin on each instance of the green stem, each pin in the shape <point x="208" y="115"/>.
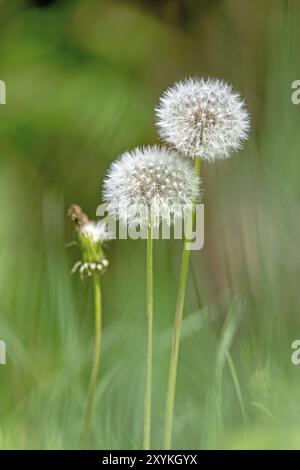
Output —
<point x="148" y="388"/>
<point x="184" y="268"/>
<point x="96" y="361"/>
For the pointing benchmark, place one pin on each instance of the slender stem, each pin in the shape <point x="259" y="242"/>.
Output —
<point x="184" y="268"/>
<point x="96" y="361"/>
<point x="148" y="389"/>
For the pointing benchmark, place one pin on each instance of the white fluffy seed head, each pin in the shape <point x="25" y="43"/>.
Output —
<point x="150" y="182"/>
<point x="203" y="118"/>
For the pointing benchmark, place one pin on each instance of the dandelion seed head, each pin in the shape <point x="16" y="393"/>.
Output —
<point x="203" y="118"/>
<point x="145" y="182"/>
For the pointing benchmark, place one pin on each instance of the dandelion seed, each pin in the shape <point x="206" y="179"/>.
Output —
<point x="98" y="231"/>
<point x="76" y="266"/>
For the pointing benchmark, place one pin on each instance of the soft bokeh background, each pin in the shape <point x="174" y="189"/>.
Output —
<point x="83" y="78"/>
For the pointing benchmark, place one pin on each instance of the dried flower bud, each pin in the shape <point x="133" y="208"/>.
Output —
<point x="78" y="216"/>
<point x="91" y="235"/>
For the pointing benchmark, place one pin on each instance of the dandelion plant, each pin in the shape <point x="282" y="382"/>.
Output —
<point x="144" y="187"/>
<point x="204" y="120"/>
<point x="91" y="236"/>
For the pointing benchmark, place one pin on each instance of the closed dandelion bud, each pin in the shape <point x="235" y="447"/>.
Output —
<point x="203" y="118"/>
<point x="91" y="236"/>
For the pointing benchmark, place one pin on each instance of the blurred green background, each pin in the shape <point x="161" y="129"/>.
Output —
<point x="83" y="78"/>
